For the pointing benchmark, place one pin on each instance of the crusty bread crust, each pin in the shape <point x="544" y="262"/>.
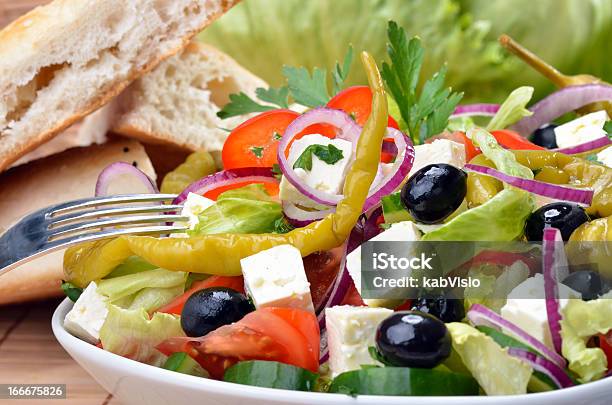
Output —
<point x="29" y="26"/>
<point x="65" y="176"/>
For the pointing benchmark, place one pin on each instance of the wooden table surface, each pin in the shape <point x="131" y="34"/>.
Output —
<point x="29" y="352"/>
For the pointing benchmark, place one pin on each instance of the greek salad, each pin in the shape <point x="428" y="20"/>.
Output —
<point x="264" y="287"/>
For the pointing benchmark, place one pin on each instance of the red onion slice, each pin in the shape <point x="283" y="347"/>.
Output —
<point x="585" y="147"/>
<point x="580" y="196"/>
<point x="227" y="178"/>
<point x="471" y="110"/>
<point x="554" y="263"/>
<point x="560" y="102"/>
<point x="399" y="169"/>
<point x="117" y="169"/>
<point x="550" y="369"/>
<point x="480" y="315"/>
<point x="349" y="131"/>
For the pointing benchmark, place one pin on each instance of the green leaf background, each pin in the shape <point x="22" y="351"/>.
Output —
<point x="574" y="35"/>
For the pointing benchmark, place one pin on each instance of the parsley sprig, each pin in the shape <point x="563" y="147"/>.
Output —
<point x="426" y="112"/>
<point x="327" y="153"/>
<point x="303" y="87"/>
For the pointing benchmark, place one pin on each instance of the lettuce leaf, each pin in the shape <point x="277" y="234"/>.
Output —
<point x="502" y="218"/>
<point x="118" y="288"/>
<point x="247" y="209"/>
<point x="504" y="160"/>
<point x="513" y="109"/>
<point x="461" y="32"/>
<point x="130" y="333"/>
<point x="132" y="265"/>
<point x="496" y="371"/>
<point x="153" y="298"/>
<point x="582" y="320"/>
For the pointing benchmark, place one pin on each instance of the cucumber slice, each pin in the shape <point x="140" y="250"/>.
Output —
<point x="403" y="381"/>
<point x="182" y="363"/>
<point x="271" y="374"/>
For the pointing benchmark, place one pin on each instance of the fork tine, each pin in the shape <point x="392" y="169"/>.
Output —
<point x="122" y="210"/>
<point x="111" y="233"/>
<point x="128" y="220"/>
<point x="97" y="201"/>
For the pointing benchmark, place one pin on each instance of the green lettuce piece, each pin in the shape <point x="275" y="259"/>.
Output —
<point x="513" y="109"/>
<point x="131" y="333"/>
<point x="493" y="289"/>
<point x="502" y="218"/>
<point x="152" y="298"/>
<point x="582" y="320"/>
<point x="132" y="265"/>
<point x="504" y="160"/>
<point x="461" y="32"/>
<point x="244" y="210"/>
<point x="496" y="371"/>
<point x="121" y="287"/>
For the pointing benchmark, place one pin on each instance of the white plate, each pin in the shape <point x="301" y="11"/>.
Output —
<point x="136" y="383"/>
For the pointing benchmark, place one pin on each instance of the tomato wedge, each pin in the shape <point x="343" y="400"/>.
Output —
<point x="287" y="335"/>
<point x="176" y="306"/>
<point x="254" y="142"/>
<point x="357" y="102"/>
<point x="321" y="270"/>
<point x="514" y="140"/>
<point x="605" y="343"/>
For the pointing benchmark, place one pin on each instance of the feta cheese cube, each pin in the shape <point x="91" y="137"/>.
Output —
<point x="350" y="332"/>
<point x="323" y="176"/>
<point x="605" y="157"/>
<point x="584" y="129"/>
<point x="439" y="151"/>
<point x="194" y="205"/>
<point x="276" y="278"/>
<point x="526" y="307"/>
<point x="87" y="315"/>
<point x="404" y="231"/>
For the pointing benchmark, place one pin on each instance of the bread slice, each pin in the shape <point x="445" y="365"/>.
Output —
<point x="64" y="60"/>
<point x="178" y="101"/>
<point x="58" y="178"/>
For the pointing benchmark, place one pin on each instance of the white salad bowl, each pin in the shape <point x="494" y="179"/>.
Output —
<point x="132" y="382"/>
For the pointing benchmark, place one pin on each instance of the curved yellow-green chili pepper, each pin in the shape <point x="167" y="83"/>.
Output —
<point x="220" y="254"/>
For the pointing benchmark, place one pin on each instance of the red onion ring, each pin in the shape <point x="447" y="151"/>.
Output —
<point x="560" y="102"/>
<point x="114" y="170"/>
<point x="400" y="169"/>
<point x="350" y="131"/>
<point x="471" y="110"/>
<point x="585" y="147"/>
<point x="553" y="262"/>
<point x="550" y="369"/>
<point x="226" y="178"/>
<point x="580" y="196"/>
<point x="479" y="315"/>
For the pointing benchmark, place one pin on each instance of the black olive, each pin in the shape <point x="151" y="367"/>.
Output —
<point x="588" y="283"/>
<point x="446" y="309"/>
<point x="434" y="192"/>
<point x="561" y="215"/>
<point x="413" y="339"/>
<point x="545" y="136"/>
<point x="210" y="308"/>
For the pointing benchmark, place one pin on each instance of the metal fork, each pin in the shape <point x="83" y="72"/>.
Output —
<point x="70" y="223"/>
